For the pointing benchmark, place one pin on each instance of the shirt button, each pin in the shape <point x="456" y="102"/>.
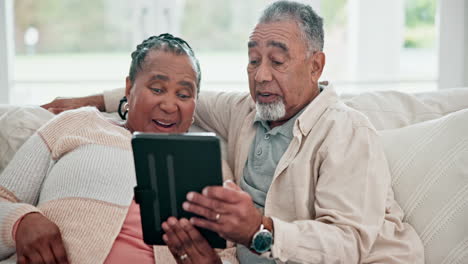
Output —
<point x="259" y="152"/>
<point x="267" y="136"/>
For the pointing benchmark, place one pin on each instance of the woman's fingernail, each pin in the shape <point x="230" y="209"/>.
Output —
<point x="185" y="205"/>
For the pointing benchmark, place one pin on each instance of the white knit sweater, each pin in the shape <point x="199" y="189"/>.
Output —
<point x="78" y="171"/>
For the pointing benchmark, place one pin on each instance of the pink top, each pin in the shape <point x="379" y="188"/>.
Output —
<point x="129" y="246"/>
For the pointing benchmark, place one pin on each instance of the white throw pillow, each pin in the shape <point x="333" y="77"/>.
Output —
<point x="429" y="166"/>
<point x="17" y="124"/>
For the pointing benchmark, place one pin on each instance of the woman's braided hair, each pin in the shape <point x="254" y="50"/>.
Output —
<point x="165" y="42"/>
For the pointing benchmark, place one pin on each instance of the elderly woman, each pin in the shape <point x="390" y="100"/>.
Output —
<point x="67" y="196"/>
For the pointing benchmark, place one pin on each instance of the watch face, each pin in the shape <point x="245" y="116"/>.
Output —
<point x="262" y="241"/>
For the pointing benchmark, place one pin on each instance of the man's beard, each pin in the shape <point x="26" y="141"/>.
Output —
<point x="271" y="111"/>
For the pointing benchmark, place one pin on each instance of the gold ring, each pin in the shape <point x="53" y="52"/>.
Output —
<point x="183" y="257"/>
<point x="217" y="217"/>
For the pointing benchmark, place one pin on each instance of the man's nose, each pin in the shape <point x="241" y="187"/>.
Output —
<point x="263" y="73"/>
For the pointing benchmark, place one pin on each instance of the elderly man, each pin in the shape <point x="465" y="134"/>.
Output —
<point x="314" y="182"/>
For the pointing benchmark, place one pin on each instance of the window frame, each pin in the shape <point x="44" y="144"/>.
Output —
<point x="6" y="50"/>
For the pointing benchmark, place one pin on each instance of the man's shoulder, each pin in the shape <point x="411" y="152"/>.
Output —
<point x="342" y="113"/>
<point x="340" y="123"/>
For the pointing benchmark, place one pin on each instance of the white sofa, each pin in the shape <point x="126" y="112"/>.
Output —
<point x="425" y="137"/>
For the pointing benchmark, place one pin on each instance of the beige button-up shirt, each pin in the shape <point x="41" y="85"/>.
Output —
<point x="330" y="199"/>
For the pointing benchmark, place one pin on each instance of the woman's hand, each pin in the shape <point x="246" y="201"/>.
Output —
<point x="38" y="240"/>
<point x="186" y="244"/>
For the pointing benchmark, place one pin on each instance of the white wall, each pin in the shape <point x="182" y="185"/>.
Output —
<point x="453" y="43"/>
<point x="6" y="49"/>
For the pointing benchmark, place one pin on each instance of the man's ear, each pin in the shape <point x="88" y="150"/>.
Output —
<point x="318" y="63"/>
<point x="128" y="86"/>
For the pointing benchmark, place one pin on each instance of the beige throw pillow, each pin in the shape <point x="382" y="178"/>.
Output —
<point x="429" y="166"/>
<point x="392" y="109"/>
<point x="17" y="124"/>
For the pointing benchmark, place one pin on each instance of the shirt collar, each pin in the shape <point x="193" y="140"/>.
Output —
<point x="316" y="108"/>
<point x="285" y="129"/>
<point x="305" y="122"/>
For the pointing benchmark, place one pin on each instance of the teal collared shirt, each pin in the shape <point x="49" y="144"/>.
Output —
<point x="268" y="147"/>
<point x="265" y="153"/>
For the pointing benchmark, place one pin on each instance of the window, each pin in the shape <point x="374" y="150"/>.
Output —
<point x="75" y="48"/>
<point x="69" y="48"/>
<point x="419" y="52"/>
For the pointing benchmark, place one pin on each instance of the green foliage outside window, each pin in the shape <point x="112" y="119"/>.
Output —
<point x="420" y="23"/>
<point x="71" y="26"/>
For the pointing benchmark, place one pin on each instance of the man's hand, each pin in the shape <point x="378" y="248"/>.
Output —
<point x="228" y="210"/>
<point x="61" y="104"/>
<point x="38" y="240"/>
<point x="186" y="244"/>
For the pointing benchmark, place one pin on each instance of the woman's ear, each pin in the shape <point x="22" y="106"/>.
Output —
<point x="318" y="63"/>
<point x="128" y="86"/>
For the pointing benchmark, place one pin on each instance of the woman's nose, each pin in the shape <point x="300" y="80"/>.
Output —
<point x="168" y="105"/>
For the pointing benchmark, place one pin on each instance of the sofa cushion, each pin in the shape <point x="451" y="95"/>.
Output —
<point x="392" y="109"/>
<point x="385" y="110"/>
<point x="429" y="167"/>
<point x="17" y="124"/>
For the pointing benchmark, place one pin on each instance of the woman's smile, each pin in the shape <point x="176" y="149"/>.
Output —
<point x="164" y="126"/>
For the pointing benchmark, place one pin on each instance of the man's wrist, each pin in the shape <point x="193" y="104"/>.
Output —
<point x="262" y="240"/>
<point x="268" y="224"/>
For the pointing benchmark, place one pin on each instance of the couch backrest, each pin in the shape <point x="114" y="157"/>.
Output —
<point x="391" y="109"/>
<point x="385" y="110"/>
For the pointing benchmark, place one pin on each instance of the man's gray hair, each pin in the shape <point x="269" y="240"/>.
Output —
<point x="308" y="21"/>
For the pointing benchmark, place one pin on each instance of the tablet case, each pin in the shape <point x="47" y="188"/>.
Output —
<point x="168" y="166"/>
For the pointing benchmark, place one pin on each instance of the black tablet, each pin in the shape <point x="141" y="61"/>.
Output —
<point x="168" y="166"/>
